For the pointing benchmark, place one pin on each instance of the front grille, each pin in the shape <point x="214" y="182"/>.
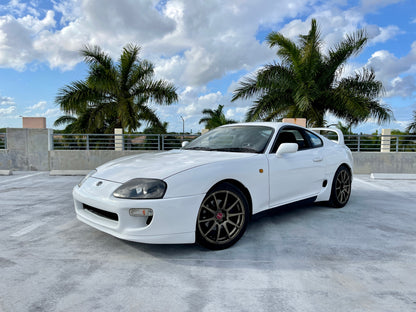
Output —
<point x="101" y="213"/>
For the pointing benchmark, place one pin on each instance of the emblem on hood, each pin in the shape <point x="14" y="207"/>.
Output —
<point x="98" y="183"/>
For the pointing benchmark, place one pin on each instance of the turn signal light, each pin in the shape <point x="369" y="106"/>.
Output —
<point x="140" y="212"/>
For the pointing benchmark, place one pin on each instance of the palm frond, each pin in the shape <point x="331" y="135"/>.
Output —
<point x="411" y="128"/>
<point x="94" y="55"/>
<point x="248" y="88"/>
<point x="63" y="120"/>
<point x="128" y="58"/>
<point x="159" y="91"/>
<point x="288" y="50"/>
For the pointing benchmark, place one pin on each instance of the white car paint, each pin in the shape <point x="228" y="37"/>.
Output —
<point x="270" y="181"/>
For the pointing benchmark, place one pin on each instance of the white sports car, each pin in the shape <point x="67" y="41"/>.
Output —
<point x="208" y="190"/>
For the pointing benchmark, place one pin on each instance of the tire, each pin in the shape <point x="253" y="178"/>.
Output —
<point x="222" y="217"/>
<point x="341" y="187"/>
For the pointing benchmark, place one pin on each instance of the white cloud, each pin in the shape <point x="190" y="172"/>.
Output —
<point x="378" y="34"/>
<point x="7" y="100"/>
<point x="107" y="23"/>
<point x="402" y="86"/>
<point x="397" y="74"/>
<point x="192" y="42"/>
<point x="7" y="111"/>
<point x="69" y="10"/>
<point x="15" y="44"/>
<point x="193" y="106"/>
<point x="52" y="112"/>
<point x="15" y="6"/>
<point x="35" y="25"/>
<point x="237" y="113"/>
<point x="38" y="106"/>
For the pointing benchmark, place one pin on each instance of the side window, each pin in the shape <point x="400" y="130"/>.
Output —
<point x="314" y="139"/>
<point x="290" y="135"/>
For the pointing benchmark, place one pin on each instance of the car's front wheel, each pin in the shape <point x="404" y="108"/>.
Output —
<point x="222" y="217"/>
<point x="341" y="187"/>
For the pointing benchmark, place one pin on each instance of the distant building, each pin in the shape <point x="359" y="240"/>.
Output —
<point x="34" y="122"/>
<point x="296" y="121"/>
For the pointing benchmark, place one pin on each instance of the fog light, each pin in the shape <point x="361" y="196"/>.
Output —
<point x="140" y="212"/>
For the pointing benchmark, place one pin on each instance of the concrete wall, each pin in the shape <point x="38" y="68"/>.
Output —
<point x="376" y="162"/>
<point x="4" y="159"/>
<point x="365" y="162"/>
<point x="85" y="160"/>
<point x="27" y="149"/>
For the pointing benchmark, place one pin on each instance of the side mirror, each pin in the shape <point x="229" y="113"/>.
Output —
<point x="185" y="143"/>
<point x="286" y="148"/>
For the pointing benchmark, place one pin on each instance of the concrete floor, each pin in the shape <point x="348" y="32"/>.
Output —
<point x="310" y="258"/>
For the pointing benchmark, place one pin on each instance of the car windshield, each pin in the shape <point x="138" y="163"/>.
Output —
<point x="243" y="139"/>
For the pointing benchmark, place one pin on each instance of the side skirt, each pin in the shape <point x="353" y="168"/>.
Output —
<point x="301" y="203"/>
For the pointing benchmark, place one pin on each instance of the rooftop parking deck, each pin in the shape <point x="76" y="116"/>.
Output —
<point x="303" y="258"/>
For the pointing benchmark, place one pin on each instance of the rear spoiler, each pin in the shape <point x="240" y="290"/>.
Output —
<point x="337" y="131"/>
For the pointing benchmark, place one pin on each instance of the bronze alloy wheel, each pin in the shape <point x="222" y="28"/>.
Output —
<point x="341" y="187"/>
<point x="222" y="217"/>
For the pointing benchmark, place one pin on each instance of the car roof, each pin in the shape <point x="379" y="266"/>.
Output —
<point x="275" y="125"/>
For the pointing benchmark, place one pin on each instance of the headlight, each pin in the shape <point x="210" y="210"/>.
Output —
<point x="141" y="189"/>
<point x="86" y="177"/>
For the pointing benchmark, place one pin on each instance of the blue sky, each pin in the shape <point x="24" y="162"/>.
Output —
<point x="203" y="46"/>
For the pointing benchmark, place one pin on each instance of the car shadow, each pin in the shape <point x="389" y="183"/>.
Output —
<point x="244" y="253"/>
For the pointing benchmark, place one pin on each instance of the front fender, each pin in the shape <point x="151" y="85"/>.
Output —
<point x="251" y="172"/>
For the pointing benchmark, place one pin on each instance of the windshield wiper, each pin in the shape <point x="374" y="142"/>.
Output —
<point x="236" y="149"/>
<point x="199" y="148"/>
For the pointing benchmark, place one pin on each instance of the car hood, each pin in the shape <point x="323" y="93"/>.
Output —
<point x="160" y="165"/>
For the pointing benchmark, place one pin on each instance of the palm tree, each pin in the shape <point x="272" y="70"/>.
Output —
<point x="215" y="118"/>
<point x="157" y="129"/>
<point x="114" y="95"/>
<point x="411" y="128"/>
<point x="308" y="83"/>
<point x="345" y="129"/>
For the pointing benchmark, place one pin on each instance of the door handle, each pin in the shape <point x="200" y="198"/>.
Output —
<point x="316" y="159"/>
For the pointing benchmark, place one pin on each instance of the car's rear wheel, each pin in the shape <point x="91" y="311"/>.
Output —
<point x="341" y="187"/>
<point x="222" y="217"/>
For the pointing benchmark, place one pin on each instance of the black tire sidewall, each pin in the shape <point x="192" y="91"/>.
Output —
<point x="333" y="201"/>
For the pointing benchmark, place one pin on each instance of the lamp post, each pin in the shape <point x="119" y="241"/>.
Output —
<point x="183" y="128"/>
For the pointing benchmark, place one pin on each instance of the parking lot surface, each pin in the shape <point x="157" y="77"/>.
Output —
<point x="303" y="258"/>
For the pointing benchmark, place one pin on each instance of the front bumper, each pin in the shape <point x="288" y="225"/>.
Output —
<point x="173" y="221"/>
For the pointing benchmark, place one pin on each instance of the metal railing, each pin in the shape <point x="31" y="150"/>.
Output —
<point x="377" y="143"/>
<point x="3" y="141"/>
<point x="155" y="142"/>
<point x="158" y="142"/>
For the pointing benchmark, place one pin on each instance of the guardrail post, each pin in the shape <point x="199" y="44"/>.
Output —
<point x="88" y="142"/>
<point x="385" y="140"/>
<point x="359" y="143"/>
<point x="163" y="142"/>
<point x="158" y="142"/>
<point x="118" y="139"/>
<point x="50" y="140"/>
<point x="397" y="144"/>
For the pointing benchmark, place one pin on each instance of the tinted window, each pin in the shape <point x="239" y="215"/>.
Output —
<point x="314" y="139"/>
<point x="290" y="135"/>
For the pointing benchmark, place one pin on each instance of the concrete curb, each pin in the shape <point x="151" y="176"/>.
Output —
<point x="69" y="172"/>
<point x="393" y="176"/>
<point x="6" y="172"/>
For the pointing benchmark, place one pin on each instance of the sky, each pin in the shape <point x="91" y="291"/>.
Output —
<point x="204" y="47"/>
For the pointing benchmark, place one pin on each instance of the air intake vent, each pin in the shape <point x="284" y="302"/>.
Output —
<point x="101" y="213"/>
